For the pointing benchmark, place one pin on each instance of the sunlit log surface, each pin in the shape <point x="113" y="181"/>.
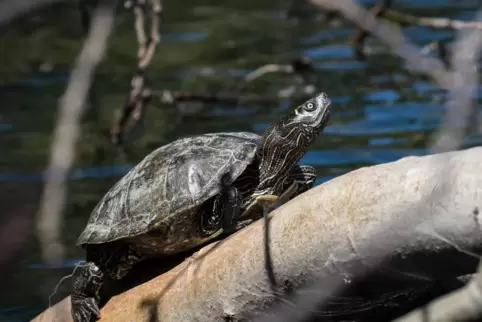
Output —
<point x="416" y="219"/>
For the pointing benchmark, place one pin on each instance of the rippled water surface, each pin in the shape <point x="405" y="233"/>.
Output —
<point x="381" y="112"/>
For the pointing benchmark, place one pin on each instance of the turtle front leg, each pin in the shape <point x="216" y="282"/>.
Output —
<point x="300" y="179"/>
<point x="85" y="293"/>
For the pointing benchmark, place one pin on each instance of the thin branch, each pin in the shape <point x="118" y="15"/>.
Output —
<point x="139" y="21"/>
<point x="263" y="70"/>
<point x="298" y="66"/>
<point x="172" y="97"/>
<point x="459" y="83"/>
<point x="393" y="38"/>
<point x="360" y="37"/>
<point x="139" y="96"/>
<point x="141" y="93"/>
<point x="71" y="107"/>
<point x="431" y="22"/>
<point x="442" y="51"/>
<point x="154" y="38"/>
<point x="450" y="134"/>
<point x="382" y="10"/>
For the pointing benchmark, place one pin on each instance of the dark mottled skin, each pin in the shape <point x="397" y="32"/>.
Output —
<point x="188" y="192"/>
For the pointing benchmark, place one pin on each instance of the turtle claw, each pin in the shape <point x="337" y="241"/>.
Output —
<point x="262" y="204"/>
<point x="85" y="294"/>
<point x="92" y="307"/>
<point x="85" y="310"/>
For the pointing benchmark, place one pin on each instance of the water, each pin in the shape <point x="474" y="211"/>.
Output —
<point x="381" y="114"/>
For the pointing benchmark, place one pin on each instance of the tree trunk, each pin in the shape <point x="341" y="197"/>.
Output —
<point x="416" y="219"/>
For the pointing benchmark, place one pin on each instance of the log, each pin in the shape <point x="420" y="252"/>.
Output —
<point x="416" y="218"/>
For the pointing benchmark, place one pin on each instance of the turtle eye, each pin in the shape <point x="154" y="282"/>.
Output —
<point x="309" y="107"/>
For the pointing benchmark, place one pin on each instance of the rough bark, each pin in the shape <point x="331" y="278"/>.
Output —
<point x="416" y="218"/>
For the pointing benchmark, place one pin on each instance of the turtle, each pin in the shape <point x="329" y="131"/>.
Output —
<point x="190" y="191"/>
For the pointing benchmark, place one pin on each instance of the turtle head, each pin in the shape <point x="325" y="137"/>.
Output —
<point x="309" y="118"/>
<point x="284" y="143"/>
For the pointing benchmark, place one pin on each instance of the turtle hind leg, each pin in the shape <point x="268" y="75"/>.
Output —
<point x="85" y="293"/>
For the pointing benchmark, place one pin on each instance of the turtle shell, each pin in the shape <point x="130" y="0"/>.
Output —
<point x="170" y="180"/>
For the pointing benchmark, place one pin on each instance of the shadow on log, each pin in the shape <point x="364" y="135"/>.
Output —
<point x="413" y="223"/>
